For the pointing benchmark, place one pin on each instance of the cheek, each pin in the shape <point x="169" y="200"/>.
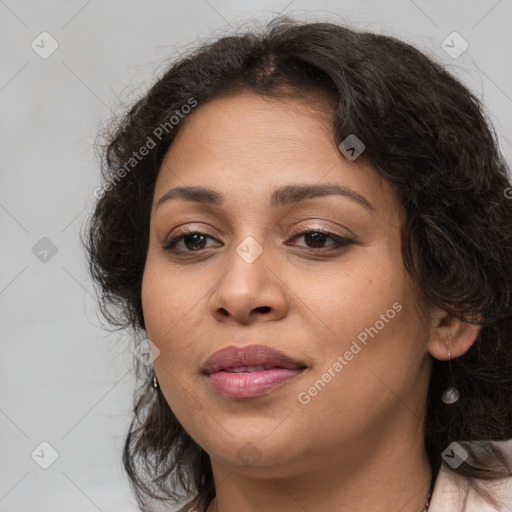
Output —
<point x="353" y="296"/>
<point x="156" y="302"/>
<point x="167" y="297"/>
<point x="168" y="314"/>
<point x="367" y="311"/>
<point x="175" y="316"/>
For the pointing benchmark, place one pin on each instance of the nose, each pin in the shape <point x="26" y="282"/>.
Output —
<point x="250" y="291"/>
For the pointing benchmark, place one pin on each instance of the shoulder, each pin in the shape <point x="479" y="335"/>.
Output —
<point x="454" y="492"/>
<point x="189" y="507"/>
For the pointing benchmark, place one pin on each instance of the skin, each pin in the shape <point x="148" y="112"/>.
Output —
<point x="358" y="444"/>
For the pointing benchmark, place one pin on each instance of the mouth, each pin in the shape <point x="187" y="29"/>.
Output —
<point x="250" y="371"/>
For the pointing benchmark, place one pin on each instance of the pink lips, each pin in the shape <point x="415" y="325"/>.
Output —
<point x="249" y="371"/>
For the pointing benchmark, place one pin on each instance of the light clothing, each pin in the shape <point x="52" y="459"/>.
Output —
<point x="449" y="494"/>
<point x="189" y="507"/>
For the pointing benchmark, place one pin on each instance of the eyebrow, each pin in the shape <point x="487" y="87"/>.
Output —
<point x="290" y="194"/>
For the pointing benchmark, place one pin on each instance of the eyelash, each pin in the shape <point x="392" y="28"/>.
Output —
<point x="340" y="241"/>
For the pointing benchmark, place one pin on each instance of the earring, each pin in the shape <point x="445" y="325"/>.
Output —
<point x="155" y="382"/>
<point x="451" y="394"/>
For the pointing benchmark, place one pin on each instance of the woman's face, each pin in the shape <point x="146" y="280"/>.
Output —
<point x="340" y="304"/>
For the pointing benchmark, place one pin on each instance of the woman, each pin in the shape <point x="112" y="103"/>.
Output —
<point x="311" y="227"/>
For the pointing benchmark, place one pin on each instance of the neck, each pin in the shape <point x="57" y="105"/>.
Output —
<point x="379" y="477"/>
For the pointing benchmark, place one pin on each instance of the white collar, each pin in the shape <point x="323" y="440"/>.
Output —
<point x="450" y="490"/>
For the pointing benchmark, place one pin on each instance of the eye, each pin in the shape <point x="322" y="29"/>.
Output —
<point x="316" y="239"/>
<point x="195" y="241"/>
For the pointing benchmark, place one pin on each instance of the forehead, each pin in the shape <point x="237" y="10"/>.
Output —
<point x="251" y="145"/>
<point x="247" y="120"/>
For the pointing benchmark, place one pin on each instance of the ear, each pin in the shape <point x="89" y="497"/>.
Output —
<point x="449" y="336"/>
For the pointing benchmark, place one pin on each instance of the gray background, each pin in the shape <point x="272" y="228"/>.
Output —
<point x="65" y="380"/>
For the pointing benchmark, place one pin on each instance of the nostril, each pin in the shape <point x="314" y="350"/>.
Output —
<point x="264" y="309"/>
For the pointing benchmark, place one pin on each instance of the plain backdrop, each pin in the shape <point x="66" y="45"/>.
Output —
<point x="64" y="380"/>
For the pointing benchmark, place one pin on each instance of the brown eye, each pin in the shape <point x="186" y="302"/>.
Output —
<point x="316" y="239"/>
<point x="193" y="241"/>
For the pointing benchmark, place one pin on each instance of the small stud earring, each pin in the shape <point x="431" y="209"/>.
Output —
<point x="155" y="382"/>
<point x="451" y="394"/>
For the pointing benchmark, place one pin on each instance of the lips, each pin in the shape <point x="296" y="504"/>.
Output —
<point x="249" y="372"/>
<point x="252" y="358"/>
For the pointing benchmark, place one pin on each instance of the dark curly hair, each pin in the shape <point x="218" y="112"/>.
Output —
<point x="427" y="135"/>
